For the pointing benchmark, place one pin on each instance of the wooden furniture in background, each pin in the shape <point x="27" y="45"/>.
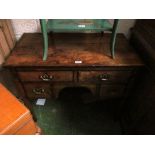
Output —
<point x="139" y="118"/>
<point x="81" y="60"/>
<point x="7" y="39"/>
<point x="15" y="118"/>
<point x="143" y="39"/>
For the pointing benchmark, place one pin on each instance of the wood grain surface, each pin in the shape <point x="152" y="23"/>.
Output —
<point x="65" y="49"/>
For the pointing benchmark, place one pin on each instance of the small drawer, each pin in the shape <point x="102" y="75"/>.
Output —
<point x="112" y="91"/>
<point x="46" y="76"/>
<point x="104" y="76"/>
<point x="38" y="90"/>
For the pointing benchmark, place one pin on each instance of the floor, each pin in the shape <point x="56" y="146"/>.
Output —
<point x="69" y="115"/>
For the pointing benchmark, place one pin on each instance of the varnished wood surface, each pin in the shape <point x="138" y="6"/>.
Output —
<point x="46" y="76"/>
<point x="14" y="115"/>
<point x="38" y="90"/>
<point x="65" y="49"/>
<point x="104" y="76"/>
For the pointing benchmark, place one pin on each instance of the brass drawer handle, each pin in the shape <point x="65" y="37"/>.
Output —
<point x="104" y="77"/>
<point x="38" y="91"/>
<point x="46" y="77"/>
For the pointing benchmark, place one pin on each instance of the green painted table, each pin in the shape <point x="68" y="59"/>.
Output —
<point x="78" y="25"/>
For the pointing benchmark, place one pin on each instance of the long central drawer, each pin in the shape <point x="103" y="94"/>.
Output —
<point x="46" y="76"/>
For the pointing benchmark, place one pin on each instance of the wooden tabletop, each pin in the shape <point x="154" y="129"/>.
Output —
<point x="65" y="49"/>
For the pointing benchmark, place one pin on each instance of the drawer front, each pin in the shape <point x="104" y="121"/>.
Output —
<point x="112" y="91"/>
<point x="104" y="76"/>
<point x="38" y="90"/>
<point x="46" y="76"/>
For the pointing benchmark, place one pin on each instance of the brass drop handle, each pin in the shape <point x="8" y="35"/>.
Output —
<point x="38" y="91"/>
<point x="104" y="77"/>
<point x="46" y="77"/>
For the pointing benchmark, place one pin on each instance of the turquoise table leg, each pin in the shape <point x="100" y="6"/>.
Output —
<point x="45" y="37"/>
<point x="113" y="38"/>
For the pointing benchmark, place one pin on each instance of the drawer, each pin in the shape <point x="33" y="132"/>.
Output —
<point x="112" y="91"/>
<point x="104" y="76"/>
<point x="46" y="76"/>
<point x="38" y="90"/>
